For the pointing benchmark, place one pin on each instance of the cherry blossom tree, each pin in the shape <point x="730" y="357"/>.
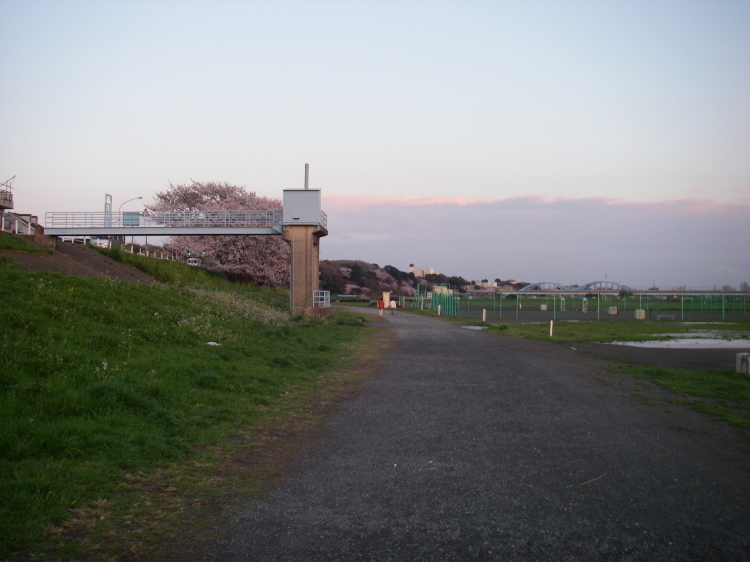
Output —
<point x="261" y="260"/>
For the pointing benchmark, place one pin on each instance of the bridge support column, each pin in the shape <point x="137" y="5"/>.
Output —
<point x="304" y="241"/>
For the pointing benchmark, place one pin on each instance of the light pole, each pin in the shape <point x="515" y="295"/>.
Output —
<point x="128" y="201"/>
<point x="120" y="217"/>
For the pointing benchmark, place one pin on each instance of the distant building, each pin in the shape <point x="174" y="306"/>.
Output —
<point x="19" y="223"/>
<point x="418" y="272"/>
<point x="479" y="288"/>
<point x="16" y="223"/>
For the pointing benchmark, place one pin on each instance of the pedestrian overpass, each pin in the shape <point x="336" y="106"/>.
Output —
<point x="301" y="223"/>
<point x="167" y="223"/>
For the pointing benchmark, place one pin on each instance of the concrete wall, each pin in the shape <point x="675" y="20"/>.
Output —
<point x="305" y="247"/>
<point x="46" y="242"/>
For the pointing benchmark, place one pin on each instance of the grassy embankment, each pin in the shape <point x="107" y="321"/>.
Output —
<point x="120" y="421"/>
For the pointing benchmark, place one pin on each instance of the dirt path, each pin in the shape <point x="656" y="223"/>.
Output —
<point x="477" y="447"/>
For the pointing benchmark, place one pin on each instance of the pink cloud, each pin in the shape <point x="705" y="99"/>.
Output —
<point x="351" y="203"/>
<point x="338" y="201"/>
<point x="686" y="241"/>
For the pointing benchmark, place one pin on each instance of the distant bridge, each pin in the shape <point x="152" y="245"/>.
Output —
<point x="591" y="286"/>
<point x="547" y="286"/>
<point x="604" y="286"/>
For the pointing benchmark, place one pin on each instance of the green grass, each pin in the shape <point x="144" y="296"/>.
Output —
<point x="605" y="332"/>
<point x="724" y="394"/>
<point x="101" y="380"/>
<point x="12" y="242"/>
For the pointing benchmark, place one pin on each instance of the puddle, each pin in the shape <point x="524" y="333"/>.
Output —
<point x="695" y="339"/>
<point x="706" y="334"/>
<point x="708" y="323"/>
<point x="689" y="343"/>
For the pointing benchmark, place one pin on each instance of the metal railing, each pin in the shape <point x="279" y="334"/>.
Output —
<point x="321" y="299"/>
<point x="18" y="223"/>
<point x="173" y="219"/>
<point x="6" y="199"/>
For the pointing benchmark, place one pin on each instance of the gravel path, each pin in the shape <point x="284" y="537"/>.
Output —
<point x="476" y="447"/>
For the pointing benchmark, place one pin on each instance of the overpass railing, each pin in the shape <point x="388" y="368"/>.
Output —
<point x="6" y="199"/>
<point x="169" y="219"/>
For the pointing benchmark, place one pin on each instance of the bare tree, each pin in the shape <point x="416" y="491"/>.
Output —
<point x="254" y="259"/>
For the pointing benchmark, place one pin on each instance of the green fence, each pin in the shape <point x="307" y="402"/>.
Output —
<point x="557" y="304"/>
<point x="440" y="298"/>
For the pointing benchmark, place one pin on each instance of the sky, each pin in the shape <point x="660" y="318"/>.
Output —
<point x="566" y="141"/>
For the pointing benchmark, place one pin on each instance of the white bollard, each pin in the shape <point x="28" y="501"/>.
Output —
<point x="484" y="315"/>
<point x="551" y="327"/>
<point x="743" y="363"/>
<point x="439" y="309"/>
